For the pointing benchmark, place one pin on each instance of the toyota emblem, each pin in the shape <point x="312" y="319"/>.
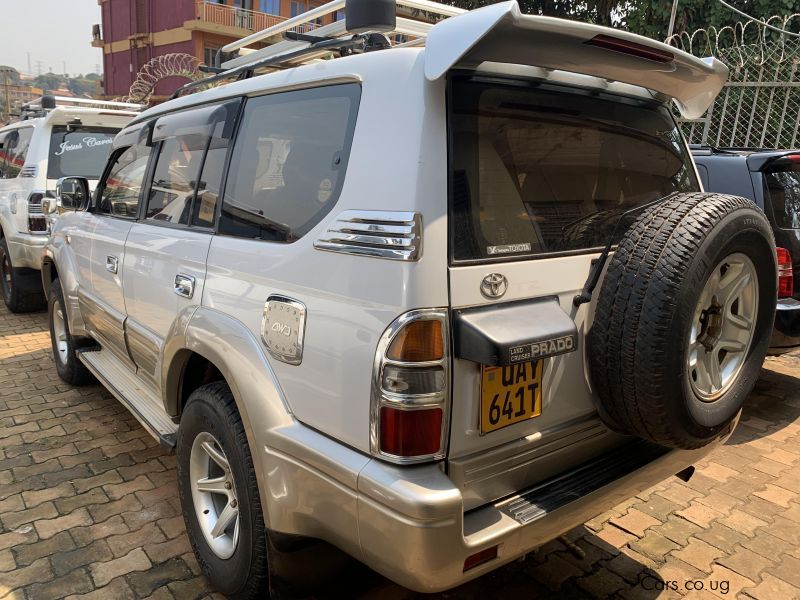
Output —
<point x="494" y="285"/>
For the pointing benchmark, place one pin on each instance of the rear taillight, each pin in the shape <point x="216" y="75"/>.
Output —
<point x="410" y="389"/>
<point x="785" y="274"/>
<point x="37" y="222"/>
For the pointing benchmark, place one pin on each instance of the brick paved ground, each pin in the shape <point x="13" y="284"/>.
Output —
<point x="88" y="506"/>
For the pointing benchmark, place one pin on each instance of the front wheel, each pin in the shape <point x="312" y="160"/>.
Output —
<point x="69" y="367"/>
<point x="21" y="288"/>
<point x="219" y="494"/>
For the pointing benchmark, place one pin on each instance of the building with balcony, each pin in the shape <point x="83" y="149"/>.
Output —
<point x="133" y="32"/>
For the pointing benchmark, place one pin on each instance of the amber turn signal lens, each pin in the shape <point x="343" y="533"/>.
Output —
<point x="417" y="342"/>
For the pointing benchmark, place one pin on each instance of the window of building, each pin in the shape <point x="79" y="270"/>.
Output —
<point x="289" y="162"/>
<point x="209" y="54"/>
<point x="339" y="15"/>
<point x="122" y="188"/>
<point x="297" y="8"/>
<point x="271" y="7"/>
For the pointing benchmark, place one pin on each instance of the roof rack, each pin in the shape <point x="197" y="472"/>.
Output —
<point x="41" y="106"/>
<point x="304" y="40"/>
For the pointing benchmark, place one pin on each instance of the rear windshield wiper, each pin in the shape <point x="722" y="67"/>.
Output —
<point x="600" y="262"/>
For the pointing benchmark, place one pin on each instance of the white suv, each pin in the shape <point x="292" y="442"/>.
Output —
<point x="360" y="296"/>
<point x="53" y="137"/>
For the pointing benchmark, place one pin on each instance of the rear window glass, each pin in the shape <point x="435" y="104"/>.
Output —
<point x="539" y="170"/>
<point x="782" y="189"/>
<point x="79" y="153"/>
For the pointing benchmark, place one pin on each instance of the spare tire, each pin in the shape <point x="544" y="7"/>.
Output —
<point x="683" y="319"/>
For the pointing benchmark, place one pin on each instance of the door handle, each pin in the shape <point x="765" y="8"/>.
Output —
<point x="184" y="285"/>
<point x="112" y="264"/>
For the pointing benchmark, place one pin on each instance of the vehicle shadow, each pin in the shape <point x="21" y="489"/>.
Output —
<point x="578" y="565"/>
<point x="773" y="405"/>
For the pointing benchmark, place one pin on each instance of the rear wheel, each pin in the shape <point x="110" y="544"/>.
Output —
<point x="684" y="318"/>
<point x="219" y="494"/>
<point x="21" y="288"/>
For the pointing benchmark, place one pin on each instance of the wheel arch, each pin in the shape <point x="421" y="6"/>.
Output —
<point x="206" y="345"/>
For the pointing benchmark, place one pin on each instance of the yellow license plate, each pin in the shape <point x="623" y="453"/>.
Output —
<point x="510" y="395"/>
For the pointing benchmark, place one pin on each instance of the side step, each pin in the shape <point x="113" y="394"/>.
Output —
<point x="120" y="381"/>
<point x="553" y="493"/>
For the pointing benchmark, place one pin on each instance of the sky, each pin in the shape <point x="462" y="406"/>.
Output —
<point x="53" y="31"/>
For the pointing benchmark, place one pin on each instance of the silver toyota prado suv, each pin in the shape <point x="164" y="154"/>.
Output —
<point x="433" y="294"/>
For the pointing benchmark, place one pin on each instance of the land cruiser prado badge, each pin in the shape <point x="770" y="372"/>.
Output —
<point x="283" y="327"/>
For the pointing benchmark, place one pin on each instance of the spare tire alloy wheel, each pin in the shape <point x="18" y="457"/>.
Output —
<point x="723" y="327"/>
<point x="683" y="319"/>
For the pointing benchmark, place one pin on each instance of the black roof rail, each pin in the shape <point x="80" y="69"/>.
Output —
<point x="356" y="43"/>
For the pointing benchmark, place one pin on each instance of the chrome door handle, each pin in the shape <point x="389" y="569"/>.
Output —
<point x="184" y="285"/>
<point x="112" y="264"/>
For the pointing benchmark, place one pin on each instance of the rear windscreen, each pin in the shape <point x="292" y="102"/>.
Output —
<point x="537" y="169"/>
<point x="782" y="190"/>
<point x="79" y="153"/>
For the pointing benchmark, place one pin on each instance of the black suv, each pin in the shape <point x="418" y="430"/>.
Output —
<point x="771" y="178"/>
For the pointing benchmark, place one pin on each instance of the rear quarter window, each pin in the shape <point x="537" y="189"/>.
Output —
<point x="538" y="169"/>
<point x="782" y="191"/>
<point x="289" y="162"/>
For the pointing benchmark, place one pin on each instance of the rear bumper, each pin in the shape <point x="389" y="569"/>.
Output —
<point x="786" y="335"/>
<point x="408" y="523"/>
<point x="26" y="250"/>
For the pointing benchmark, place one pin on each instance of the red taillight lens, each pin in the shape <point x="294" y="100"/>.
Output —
<point x="411" y="432"/>
<point x="785" y="274"/>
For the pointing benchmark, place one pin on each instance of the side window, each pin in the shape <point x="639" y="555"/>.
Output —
<point x="191" y="159"/>
<point x="122" y="188"/>
<point x="289" y="162"/>
<point x="205" y="205"/>
<point x="175" y="177"/>
<point x="18" y="151"/>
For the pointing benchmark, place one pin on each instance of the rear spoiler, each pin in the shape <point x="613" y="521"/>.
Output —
<point x="501" y="33"/>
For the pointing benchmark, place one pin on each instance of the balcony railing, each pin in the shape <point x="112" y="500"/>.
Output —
<point x="240" y="18"/>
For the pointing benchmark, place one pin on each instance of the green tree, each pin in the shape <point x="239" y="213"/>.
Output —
<point x="48" y="81"/>
<point x="13" y="75"/>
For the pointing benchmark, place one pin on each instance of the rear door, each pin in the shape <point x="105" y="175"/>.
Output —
<point x="166" y="252"/>
<point x="540" y="177"/>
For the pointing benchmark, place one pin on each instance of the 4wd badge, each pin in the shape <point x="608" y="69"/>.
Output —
<point x="283" y="328"/>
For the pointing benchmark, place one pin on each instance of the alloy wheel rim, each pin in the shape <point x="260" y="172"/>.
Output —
<point x="214" y="495"/>
<point x="60" y="341"/>
<point x="723" y="327"/>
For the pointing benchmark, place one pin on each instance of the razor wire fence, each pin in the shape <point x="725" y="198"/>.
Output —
<point x="759" y="106"/>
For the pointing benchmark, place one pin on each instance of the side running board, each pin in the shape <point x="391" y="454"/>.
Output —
<point x="125" y="386"/>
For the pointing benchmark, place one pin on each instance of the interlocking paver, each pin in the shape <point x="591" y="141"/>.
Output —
<point x="88" y="504"/>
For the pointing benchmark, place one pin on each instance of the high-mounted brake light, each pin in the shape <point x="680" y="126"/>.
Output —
<point x="785" y="274"/>
<point x="616" y="44"/>
<point x="410" y="389"/>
